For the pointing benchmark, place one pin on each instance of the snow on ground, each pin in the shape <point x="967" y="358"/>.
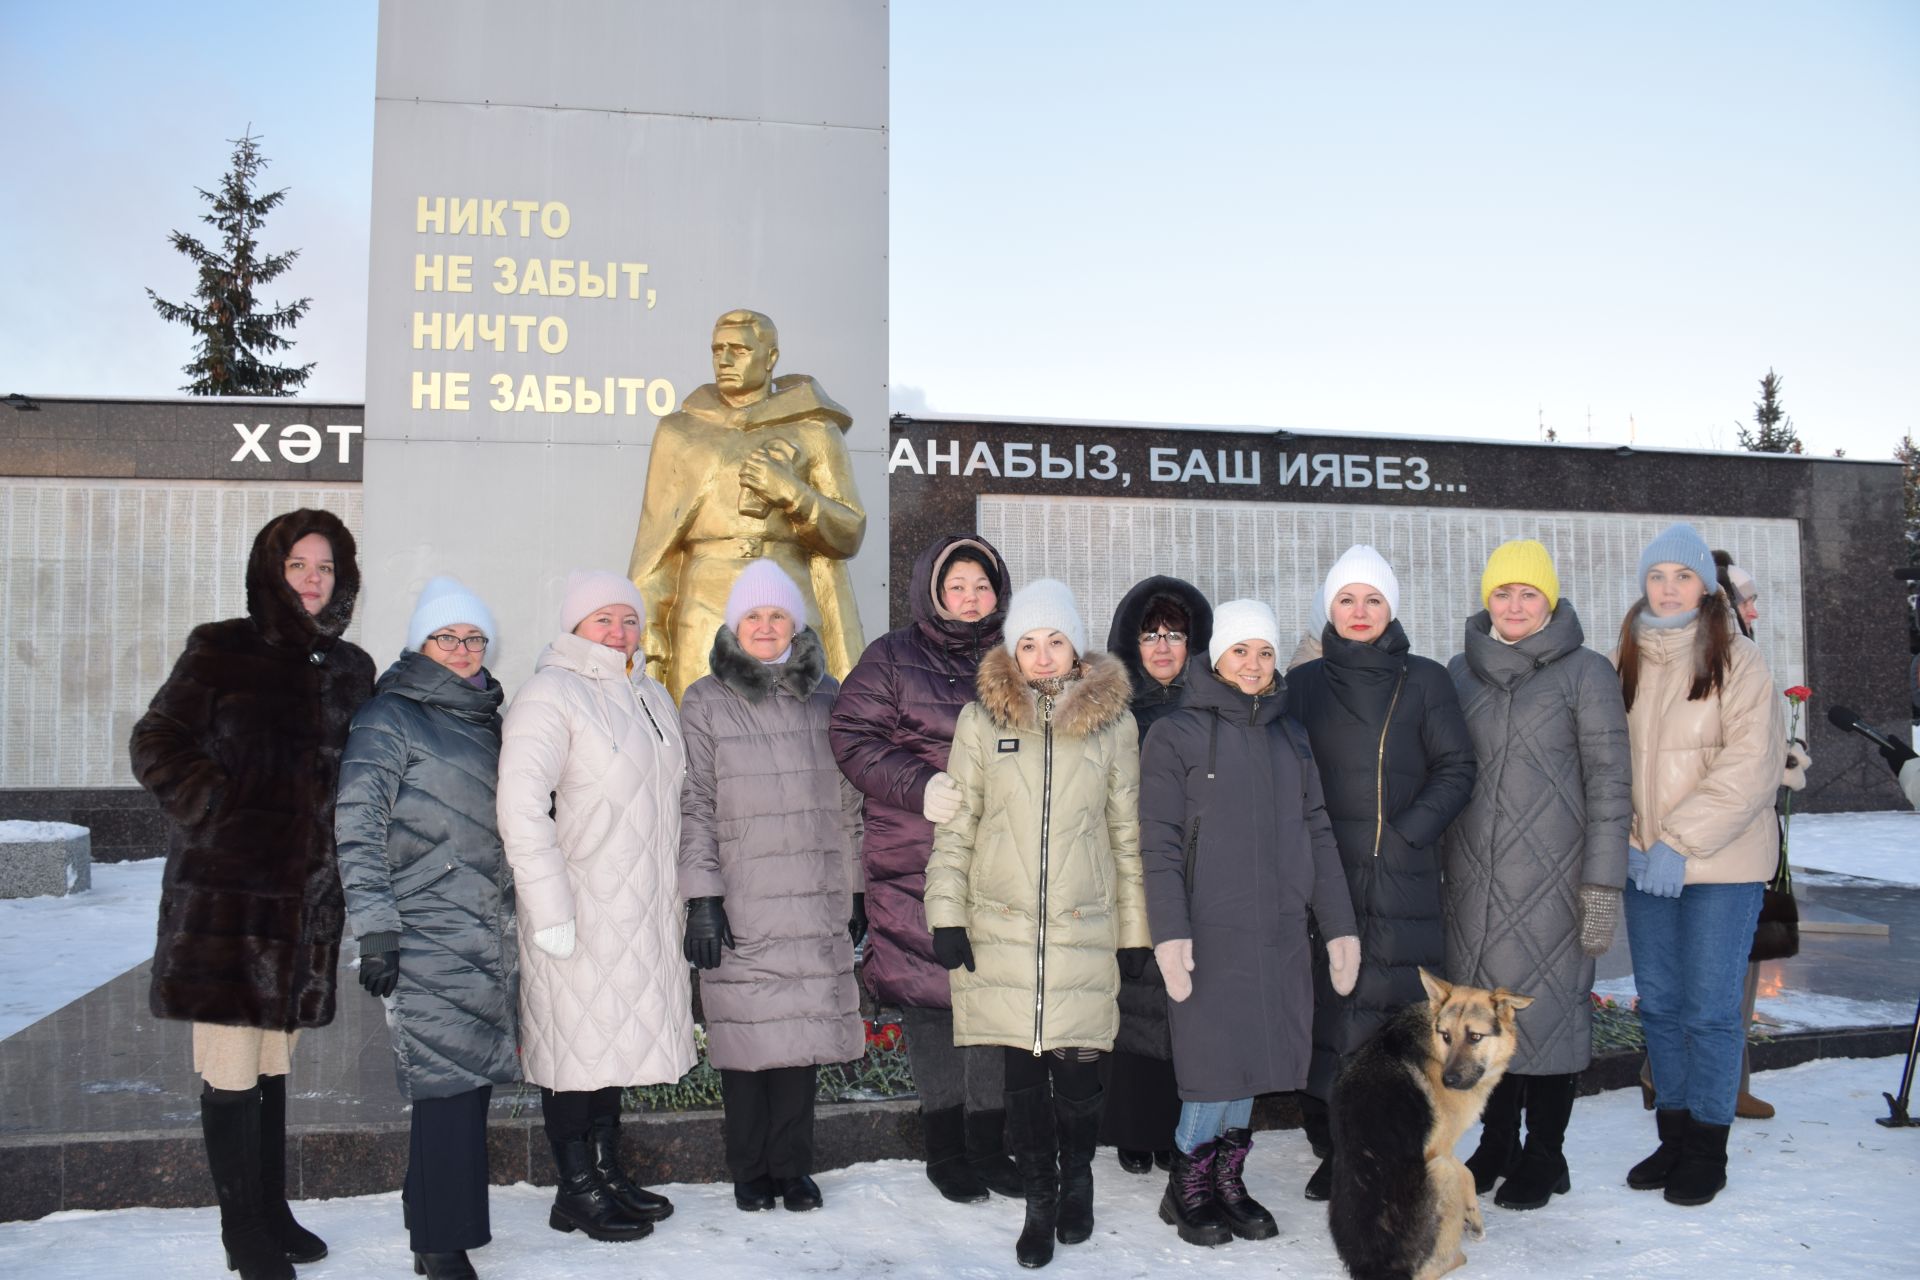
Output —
<point x="21" y="831"/>
<point x="1818" y="1191"/>
<point x="1791" y="1010"/>
<point x="1876" y="846"/>
<point x="55" y="950"/>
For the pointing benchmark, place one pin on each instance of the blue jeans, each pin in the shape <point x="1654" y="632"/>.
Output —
<point x="1202" y="1122"/>
<point x="1689" y="964"/>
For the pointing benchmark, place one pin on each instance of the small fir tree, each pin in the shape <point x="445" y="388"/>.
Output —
<point x="1907" y="454"/>
<point x="234" y="330"/>
<point x="1774" y="433"/>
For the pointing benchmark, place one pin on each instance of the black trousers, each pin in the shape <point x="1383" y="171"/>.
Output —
<point x="1143" y="1103"/>
<point x="445" y="1194"/>
<point x="1075" y="1072"/>
<point x="769" y="1122"/>
<point x="569" y="1113"/>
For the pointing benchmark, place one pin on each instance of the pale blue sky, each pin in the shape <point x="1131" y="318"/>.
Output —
<point x="1440" y="219"/>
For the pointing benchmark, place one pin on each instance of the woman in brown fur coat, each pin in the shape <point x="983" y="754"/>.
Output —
<point x="1035" y="885"/>
<point x="241" y="747"/>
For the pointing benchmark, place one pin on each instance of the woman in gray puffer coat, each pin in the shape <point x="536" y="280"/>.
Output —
<point x="1536" y="860"/>
<point x="430" y="898"/>
<point x="770" y="847"/>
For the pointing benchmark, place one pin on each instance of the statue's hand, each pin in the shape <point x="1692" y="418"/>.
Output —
<point x="769" y="471"/>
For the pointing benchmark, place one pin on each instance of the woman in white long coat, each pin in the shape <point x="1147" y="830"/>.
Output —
<point x="590" y="774"/>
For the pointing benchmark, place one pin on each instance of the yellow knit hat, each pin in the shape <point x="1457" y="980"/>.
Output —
<point x="1522" y="560"/>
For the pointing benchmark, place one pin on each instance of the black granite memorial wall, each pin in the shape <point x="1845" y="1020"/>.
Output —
<point x="1852" y="632"/>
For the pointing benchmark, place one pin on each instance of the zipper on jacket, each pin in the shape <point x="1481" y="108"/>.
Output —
<point x="1380" y="767"/>
<point x="1046" y="822"/>
<point x="646" y="711"/>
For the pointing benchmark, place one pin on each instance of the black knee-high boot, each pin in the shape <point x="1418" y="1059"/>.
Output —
<point x="1077" y="1121"/>
<point x="298" y="1243"/>
<point x="1541" y="1172"/>
<point x="230" y="1121"/>
<point x="1030" y="1124"/>
<point x="1499" y="1151"/>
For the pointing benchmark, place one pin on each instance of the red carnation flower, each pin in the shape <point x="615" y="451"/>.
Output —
<point x="1799" y="693"/>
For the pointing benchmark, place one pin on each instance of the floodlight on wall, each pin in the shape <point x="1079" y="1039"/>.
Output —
<point x="24" y="404"/>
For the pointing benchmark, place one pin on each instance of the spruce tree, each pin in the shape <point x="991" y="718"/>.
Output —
<point x="1775" y="433"/>
<point x="235" y="331"/>
<point x="1907" y="454"/>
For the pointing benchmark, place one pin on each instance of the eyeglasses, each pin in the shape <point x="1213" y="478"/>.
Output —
<point x="1149" y="639"/>
<point x="448" y="643"/>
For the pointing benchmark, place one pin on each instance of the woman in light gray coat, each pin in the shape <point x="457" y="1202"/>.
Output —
<point x="770" y="848"/>
<point x="430" y="898"/>
<point x="1536" y="861"/>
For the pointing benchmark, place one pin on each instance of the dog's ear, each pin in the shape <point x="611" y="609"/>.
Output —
<point x="1507" y="999"/>
<point x="1437" y="991"/>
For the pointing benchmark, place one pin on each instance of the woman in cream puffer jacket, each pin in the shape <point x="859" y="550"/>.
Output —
<point x="605" y="1000"/>
<point x="1035" y="884"/>
<point x="1707" y="739"/>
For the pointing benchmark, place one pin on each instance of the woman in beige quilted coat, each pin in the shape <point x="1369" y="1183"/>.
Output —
<point x="1035" y="884"/>
<point x="589" y="805"/>
<point x="1707" y="738"/>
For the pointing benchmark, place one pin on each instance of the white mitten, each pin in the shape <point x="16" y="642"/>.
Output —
<point x="556" y="940"/>
<point x="941" y="800"/>
<point x="1175" y="958"/>
<point x="1798" y="762"/>
<point x="1343" y="958"/>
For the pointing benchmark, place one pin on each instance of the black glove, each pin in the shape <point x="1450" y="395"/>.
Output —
<point x="857" y="923"/>
<point x="707" y="932"/>
<point x="380" y="972"/>
<point x="1134" y="962"/>
<point x="951" y="948"/>
<point x="1897" y="756"/>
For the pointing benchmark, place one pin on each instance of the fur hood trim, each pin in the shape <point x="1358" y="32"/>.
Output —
<point x="1100" y="696"/>
<point x="754" y="680"/>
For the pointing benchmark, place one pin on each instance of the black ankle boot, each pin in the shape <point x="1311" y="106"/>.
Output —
<point x="1541" y="1172"/>
<point x="1499" y="1151"/>
<point x="230" y="1122"/>
<point x="1701" y="1172"/>
<point x="583" y="1203"/>
<point x="603" y="1139"/>
<point x="1190" y="1204"/>
<point x="444" y="1266"/>
<point x="1320" y="1181"/>
<point x="1651" y="1174"/>
<point x="1077" y="1122"/>
<point x="1134" y="1161"/>
<point x="1245" y="1216"/>
<point x="1030" y="1125"/>
<point x="987" y="1153"/>
<point x="944" y="1133"/>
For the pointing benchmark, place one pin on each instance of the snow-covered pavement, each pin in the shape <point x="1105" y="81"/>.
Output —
<point x="55" y="950"/>
<point x="1818" y="1191"/>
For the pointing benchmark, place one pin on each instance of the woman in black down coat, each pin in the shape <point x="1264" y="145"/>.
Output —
<point x="1398" y="766"/>
<point x="1158" y="624"/>
<point x="430" y="898"/>
<point x="241" y="747"/>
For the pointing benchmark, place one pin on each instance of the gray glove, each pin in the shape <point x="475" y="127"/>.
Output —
<point x="1598" y="913"/>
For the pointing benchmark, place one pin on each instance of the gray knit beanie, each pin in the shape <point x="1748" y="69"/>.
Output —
<point x="1678" y="544"/>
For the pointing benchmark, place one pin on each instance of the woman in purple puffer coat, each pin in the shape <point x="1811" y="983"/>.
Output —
<point x="891" y="730"/>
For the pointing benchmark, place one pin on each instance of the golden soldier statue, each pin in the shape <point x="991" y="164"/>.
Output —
<point x="752" y="465"/>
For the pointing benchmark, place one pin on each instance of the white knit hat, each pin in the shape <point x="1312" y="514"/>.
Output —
<point x="1239" y="620"/>
<point x="764" y="584"/>
<point x="1361" y="563"/>
<point x="590" y="589"/>
<point x="443" y="602"/>
<point x="1044" y="605"/>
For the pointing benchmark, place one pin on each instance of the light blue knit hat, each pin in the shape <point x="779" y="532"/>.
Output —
<point x="1678" y="544"/>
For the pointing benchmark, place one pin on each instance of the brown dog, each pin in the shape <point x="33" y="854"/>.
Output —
<point x="1401" y="1199"/>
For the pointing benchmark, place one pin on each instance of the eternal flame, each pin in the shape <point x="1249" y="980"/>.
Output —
<point x="751" y="466"/>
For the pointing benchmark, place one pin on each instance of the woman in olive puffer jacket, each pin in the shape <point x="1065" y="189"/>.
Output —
<point x="1033" y="887"/>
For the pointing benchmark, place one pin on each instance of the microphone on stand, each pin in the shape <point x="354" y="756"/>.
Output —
<point x="1848" y="719"/>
